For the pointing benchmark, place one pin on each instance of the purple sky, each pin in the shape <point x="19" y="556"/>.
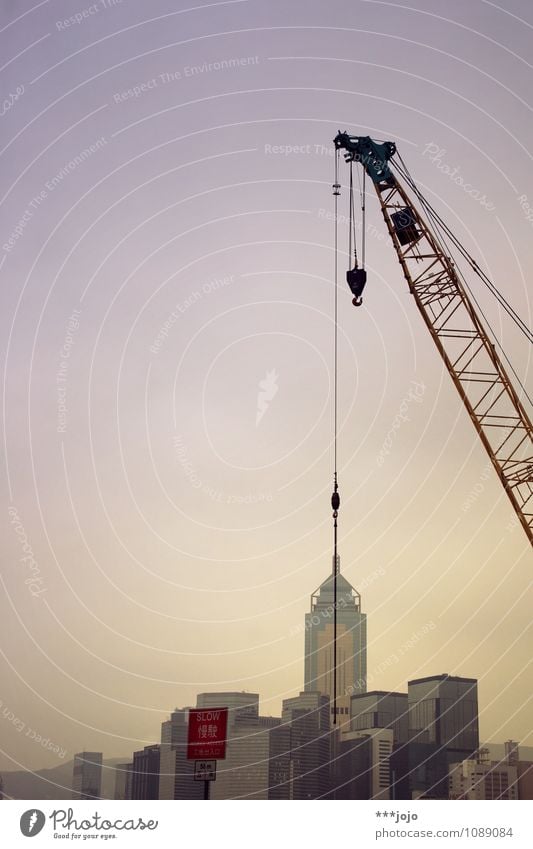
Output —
<point x="166" y="267"/>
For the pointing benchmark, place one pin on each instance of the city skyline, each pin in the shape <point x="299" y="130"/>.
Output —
<point x="423" y="743"/>
<point x="390" y="745"/>
<point x="167" y="348"/>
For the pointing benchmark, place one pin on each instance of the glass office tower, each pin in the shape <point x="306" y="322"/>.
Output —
<point x="351" y="645"/>
<point x="443" y="729"/>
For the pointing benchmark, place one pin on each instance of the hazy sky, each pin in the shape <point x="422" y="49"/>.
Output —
<point x="166" y="266"/>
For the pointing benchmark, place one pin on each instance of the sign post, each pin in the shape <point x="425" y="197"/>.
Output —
<point x="205" y="771"/>
<point x="206" y="742"/>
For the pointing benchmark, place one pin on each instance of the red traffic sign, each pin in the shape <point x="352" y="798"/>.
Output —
<point x="207" y="733"/>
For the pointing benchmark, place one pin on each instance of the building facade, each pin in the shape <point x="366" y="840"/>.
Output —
<point x="525" y="779"/>
<point x="351" y="645"/>
<point x="246" y="770"/>
<point x="123" y="781"/>
<point x="361" y="768"/>
<point x="511" y="752"/>
<point x="381" y="709"/>
<point x="308" y="718"/>
<point x="256" y="765"/>
<point x="479" y="778"/>
<point x="443" y="729"/>
<point x="145" y="773"/>
<point x="87" y="775"/>
<point x="176" y="773"/>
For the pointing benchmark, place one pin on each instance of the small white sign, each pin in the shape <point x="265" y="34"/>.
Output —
<point x="205" y="770"/>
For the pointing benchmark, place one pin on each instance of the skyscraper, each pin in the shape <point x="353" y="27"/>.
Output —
<point x="123" y="780"/>
<point x="279" y="767"/>
<point x="351" y="765"/>
<point x="381" y="709"/>
<point x="176" y="773"/>
<point x="251" y="748"/>
<point x="307" y="716"/>
<point x="351" y="644"/>
<point x="443" y="729"/>
<point x="145" y="773"/>
<point x="87" y="775"/>
<point x="362" y="764"/>
<point x="256" y="765"/>
<point x="241" y="705"/>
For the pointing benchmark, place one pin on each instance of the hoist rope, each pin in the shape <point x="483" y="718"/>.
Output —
<point x="335" y="497"/>
<point x="363" y="220"/>
<point x="362" y="198"/>
<point x="336" y="192"/>
<point x="351" y="225"/>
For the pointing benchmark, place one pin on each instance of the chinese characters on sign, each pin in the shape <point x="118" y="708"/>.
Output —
<point x="205" y="770"/>
<point x="207" y="733"/>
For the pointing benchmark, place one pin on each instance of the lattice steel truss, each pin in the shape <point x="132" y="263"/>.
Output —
<point x="476" y="369"/>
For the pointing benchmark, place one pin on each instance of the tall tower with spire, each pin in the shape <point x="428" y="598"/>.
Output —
<point x="351" y="643"/>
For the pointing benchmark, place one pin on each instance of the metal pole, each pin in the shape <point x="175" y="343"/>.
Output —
<point x="206" y="789"/>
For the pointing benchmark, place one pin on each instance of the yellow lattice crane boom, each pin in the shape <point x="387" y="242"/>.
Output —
<point x="473" y="361"/>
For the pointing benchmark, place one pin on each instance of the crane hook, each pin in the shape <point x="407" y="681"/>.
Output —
<point x="356" y="279"/>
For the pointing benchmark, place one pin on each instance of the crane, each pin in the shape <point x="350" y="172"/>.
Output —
<point x="443" y="300"/>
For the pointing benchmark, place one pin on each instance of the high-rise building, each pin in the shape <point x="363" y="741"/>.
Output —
<point x="308" y="718"/>
<point x="351" y="644"/>
<point x="87" y="775"/>
<point x="381" y="709"/>
<point x="279" y="768"/>
<point x="362" y="764"/>
<point x="256" y="762"/>
<point x="176" y="773"/>
<point x="525" y="779"/>
<point x="480" y="778"/>
<point x="241" y="705"/>
<point x="246" y="770"/>
<point x="443" y="729"/>
<point x="123" y="781"/>
<point x="351" y="765"/>
<point x="524" y="770"/>
<point x="511" y="752"/>
<point x="251" y="749"/>
<point x="145" y="773"/>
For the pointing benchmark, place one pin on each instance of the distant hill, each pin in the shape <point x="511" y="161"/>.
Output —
<point x="54" y="783"/>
